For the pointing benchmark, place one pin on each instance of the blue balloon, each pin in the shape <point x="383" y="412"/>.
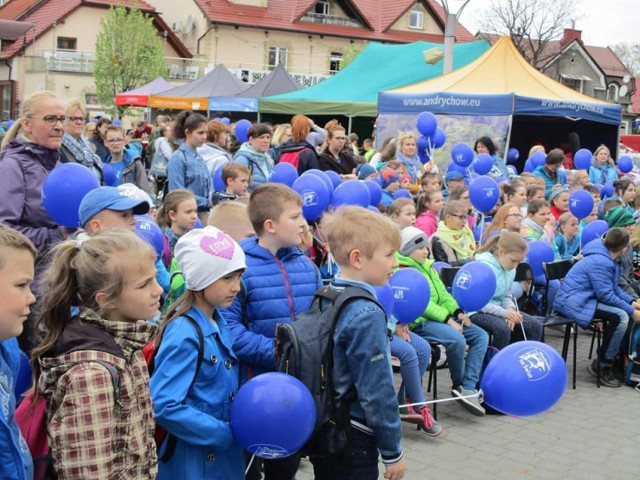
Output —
<point x="334" y="177"/>
<point x="513" y="155"/>
<point x="150" y="232"/>
<point x="513" y="170"/>
<point x="198" y="224"/>
<point x="474" y="286"/>
<point x="384" y="294"/>
<point x="284" y="173"/>
<point x="539" y="252"/>
<point x="457" y="168"/>
<point x="241" y="130"/>
<point x="592" y="231"/>
<point x="500" y="180"/>
<point x="218" y="184"/>
<point x="484" y="193"/>
<point x="482" y="164"/>
<point x="424" y="156"/>
<point x="314" y="194"/>
<point x="322" y="176"/>
<point x="528" y="166"/>
<point x="108" y="175"/>
<point x="423" y="144"/>
<point x="373" y="209"/>
<point x="401" y="193"/>
<point x="261" y="409"/>
<point x="225" y="120"/>
<point x="351" y="192"/>
<point x="439" y="138"/>
<point x="438" y="265"/>
<point x="117" y="122"/>
<point x="375" y="192"/>
<point x="411" y="294"/>
<point x="23" y="379"/>
<point x="426" y="123"/>
<point x="462" y="154"/>
<point x="582" y="159"/>
<point x="606" y="190"/>
<point x="581" y="204"/>
<point x="538" y="159"/>
<point x="625" y="164"/>
<point x="480" y="229"/>
<point x="524" y="379"/>
<point x="63" y="190"/>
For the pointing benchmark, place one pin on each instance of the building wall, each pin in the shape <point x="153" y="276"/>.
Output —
<point x="429" y="24"/>
<point x="183" y="12"/>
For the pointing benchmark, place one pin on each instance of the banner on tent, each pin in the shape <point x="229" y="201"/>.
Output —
<point x="179" y="103"/>
<point x="597" y="112"/>
<point x="442" y="102"/>
<point x="230" y="104"/>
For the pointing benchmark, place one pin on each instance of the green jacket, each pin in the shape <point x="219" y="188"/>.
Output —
<point x="441" y="303"/>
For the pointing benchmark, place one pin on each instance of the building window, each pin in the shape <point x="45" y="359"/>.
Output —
<point x="334" y="63"/>
<point x="571" y="83"/>
<point x="612" y="93"/>
<point x="67" y="43"/>
<point x="322" y="7"/>
<point x="277" y="55"/>
<point x="5" y="101"/>
<point x="416" y="18"/>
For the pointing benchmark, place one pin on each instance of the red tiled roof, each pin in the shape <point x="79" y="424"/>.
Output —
<point x="14" y="8"/>
<point x="608" y="61"/>
<point x="380" y="15"/>
<point x="140" y="4"/>
<point x="635" y="100"/>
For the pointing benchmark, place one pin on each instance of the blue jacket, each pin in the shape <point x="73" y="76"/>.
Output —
<point x="502" y="299"/>
<point x="549" y="181"/>
<point x="15" y="459"/>
<point x="274" y="290"/>
<point x="361" y="358"/>
<point x="187" y="170"/>
<point x="602" y="174"/>
<point x="387" y="198"/>
<point x="567" y="250"/>
<point x="198" y="417"/>
<point x="260" y="167"/>
<point x="592" y="280"/>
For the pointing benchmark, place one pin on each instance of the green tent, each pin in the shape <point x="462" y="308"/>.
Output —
<point x="354" y="90"/>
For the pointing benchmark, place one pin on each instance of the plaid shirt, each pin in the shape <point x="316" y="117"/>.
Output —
<point x="89" y="435"/>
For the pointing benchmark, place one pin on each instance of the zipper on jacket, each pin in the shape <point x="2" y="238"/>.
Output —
<point x="287" y="286"/>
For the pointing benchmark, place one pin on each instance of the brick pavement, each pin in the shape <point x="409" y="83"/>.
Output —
<point x="590" y="434"/>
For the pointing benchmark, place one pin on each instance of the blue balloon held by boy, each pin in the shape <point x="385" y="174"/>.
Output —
<point x="411" y="294"/>
<point x="384" y="294"/>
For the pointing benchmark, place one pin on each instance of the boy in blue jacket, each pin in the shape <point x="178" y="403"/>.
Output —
<point x="361" y="354"/>
<point x="279" y="283"/>
<point x="16" y="276"/>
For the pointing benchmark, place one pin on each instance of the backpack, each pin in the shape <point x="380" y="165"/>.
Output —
<point x="159" y="164"/>
<point x="304" y="349"/>
<point x="632" y="370"/>
<point x="292" y="157"/>
<point x="31" y="417"/>
<point x="149" y="353"/>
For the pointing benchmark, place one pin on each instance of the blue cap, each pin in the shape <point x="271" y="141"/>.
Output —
<point x="108" y="198"/>
<point x="364" y="170"/>
<point x="453" y="175"/>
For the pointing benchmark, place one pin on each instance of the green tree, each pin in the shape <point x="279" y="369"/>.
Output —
<point x="629" y="54"/>
<point x="129" y="54"/>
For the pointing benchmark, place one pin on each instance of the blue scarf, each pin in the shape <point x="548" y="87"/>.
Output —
<point x="412" y="165"/>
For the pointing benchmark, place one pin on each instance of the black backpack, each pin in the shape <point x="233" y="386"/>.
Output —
<point x="304" y="349"/>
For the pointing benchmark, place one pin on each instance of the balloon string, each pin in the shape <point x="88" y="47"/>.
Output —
<point x="481" y="229"/>
<point x="524" y="335"/>
<point x="439" y="401"/>
<point x="249" y="466"/>
<point x="429" y="149"/>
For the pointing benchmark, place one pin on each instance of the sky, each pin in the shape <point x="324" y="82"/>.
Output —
<point x="603" y="23"/>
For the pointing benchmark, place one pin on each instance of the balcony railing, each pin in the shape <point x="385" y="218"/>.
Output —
<point x="61" y="61"/>
<point x="330" y="20"/>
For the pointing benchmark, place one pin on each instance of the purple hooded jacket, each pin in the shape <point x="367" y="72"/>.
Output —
<point x="23" y="169"/>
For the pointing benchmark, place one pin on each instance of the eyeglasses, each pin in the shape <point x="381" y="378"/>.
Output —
<point x="340" y="138"/>
<point x="51" y="120"/>
<point x="115" y="140"/>
<point x="75" y="119"/>
<point x="462" y="216"/>
<point x="515" y="215"/>
<point x="464" y="197"/>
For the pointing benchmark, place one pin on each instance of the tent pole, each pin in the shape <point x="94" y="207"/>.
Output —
<point x="350" y="117"/>
<point x="259" y="118"/>
<point x="505" y="149"/>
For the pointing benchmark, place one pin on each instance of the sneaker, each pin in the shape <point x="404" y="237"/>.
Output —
<point x="607" y="377"/>
<point x="429" y="424"/>
<point x="472" y="404"/>
<point x="409" y="415"/>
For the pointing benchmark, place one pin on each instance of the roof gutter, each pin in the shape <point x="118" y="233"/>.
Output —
<point x="212" y="26"/>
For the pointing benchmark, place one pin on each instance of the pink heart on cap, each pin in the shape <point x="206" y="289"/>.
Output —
<point x="219" y="245"/>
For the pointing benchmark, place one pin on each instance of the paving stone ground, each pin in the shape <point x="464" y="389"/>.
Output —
<point x="591" y="433"/>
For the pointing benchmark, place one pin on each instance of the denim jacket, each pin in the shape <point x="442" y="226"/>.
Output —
<point x="362" y="359"/>
<point x="188" y="170"/>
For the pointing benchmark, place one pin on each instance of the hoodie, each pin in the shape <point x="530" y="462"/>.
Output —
<point x="307" y="159"/>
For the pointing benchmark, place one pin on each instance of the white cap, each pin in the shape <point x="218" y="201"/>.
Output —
<point x="206" y="255"/>
<point x="412" y="239"/>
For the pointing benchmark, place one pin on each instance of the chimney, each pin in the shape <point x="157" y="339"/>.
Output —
<point x="570" y="34"/>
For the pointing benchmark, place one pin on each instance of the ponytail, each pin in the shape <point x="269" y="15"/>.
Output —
<point x="507" y="242"/>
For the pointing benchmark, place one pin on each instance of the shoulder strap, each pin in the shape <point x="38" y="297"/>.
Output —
<point x="115" y="380"/>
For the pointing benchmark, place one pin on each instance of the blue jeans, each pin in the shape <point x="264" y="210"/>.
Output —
<point x="360" y="464"/>
<point x="554" y="285"/>
<point x="616" y="326"/>
<point x="465" y="374"/>
<point x="414" y="359"/>
<point x="499" y="329"/>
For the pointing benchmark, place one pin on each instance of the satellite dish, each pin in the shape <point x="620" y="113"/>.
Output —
<point x="190" y="24"/>
<point x="626" y="79"/>
<point x="623" y="91"/>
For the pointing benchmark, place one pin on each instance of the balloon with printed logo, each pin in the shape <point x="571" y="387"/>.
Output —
<point x="482" y="164"/>
<point x="351" y="192"/>
<point x="524" y="379"/>
<point x="401" y="193"/>
<point x="108" y="175"/>
<point x="63" y="190"/>
<point x="606" y="190"/>
<point x="263" y="406"/>
<point x="411" y="294"/>
<point x="384" y="294"/>
<point x="538" y="159"/>
<point x="334" y="177"/>
<point x="462" y="154"/>
<point x="322" y="176"/>
<point x="528" y="166"/>
<point x="150" y="232"/>
<point x="426" y="123"/>
<point x="242" y="129"/>
<point x="23" y="379"/>
<point x="581" y="204"/>
<point x="625" y="164"/>
<point x="582" y="159"/>
<point x="438" y="265"/>
<point x="284" y="173"/>
<point x="539" y="252"/>
<point x="513" y="155"/>
<point x="314" y="194"/>
<point x="474" y="286"/>
<point x="218" y="184"/>
<point x="438" y="139"/>
<point x="484" y="193"/>
<point x="375" y="192"/>
<point x="592" y="231"/>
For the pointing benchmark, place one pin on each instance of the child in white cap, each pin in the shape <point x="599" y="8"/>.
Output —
<point x="195" y="375"/>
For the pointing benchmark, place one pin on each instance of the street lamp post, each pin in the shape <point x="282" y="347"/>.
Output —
<point x="452" y="10"/>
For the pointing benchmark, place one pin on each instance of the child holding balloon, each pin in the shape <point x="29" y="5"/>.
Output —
<point x="192" y="391"/>
<point x="17" y="257"/>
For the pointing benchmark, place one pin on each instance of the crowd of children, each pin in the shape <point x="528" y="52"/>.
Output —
<point x="254" y="262"/>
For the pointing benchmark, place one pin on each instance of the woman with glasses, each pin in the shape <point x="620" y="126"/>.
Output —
<point x="508" y="218"/>
<point x="75" y="147"/>
<point x="334" y="155"/>
<point x="453" y="242"/>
